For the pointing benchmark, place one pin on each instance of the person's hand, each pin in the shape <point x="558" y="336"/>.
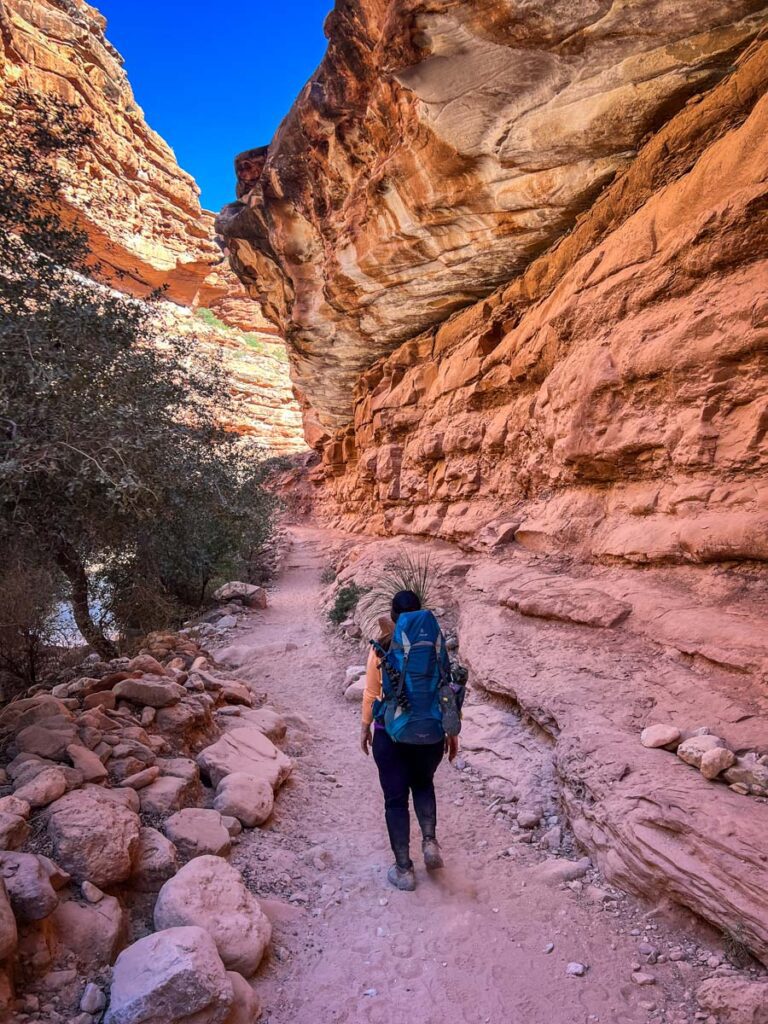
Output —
<point x="365" y="739"/>
<point x="451" y="747"/>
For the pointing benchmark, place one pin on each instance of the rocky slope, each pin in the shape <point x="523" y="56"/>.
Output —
<point x="107" y="834"/>
<point x="439" y="148"/>
<point x="141" y="211"/>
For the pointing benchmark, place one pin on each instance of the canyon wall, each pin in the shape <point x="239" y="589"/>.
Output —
<point x="141" y="211"/>
<point x="611" y="400"/>
<point x="439" y="149"/>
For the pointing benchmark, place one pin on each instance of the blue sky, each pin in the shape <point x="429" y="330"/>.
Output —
<point x="215" y="78"/>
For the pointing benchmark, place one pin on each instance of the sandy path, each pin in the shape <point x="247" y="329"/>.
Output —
<point x="468" y="945"/>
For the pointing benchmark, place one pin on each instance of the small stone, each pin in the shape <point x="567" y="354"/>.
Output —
<point x="93" y="999"/>
<point x="641" y="978"/>
<point x="549" y="948"/>
<point x="575" y="969"/>
<point x="91" y="892"/>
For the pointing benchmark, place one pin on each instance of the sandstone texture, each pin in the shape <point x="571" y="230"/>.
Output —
<point x="608" y="402"/>
<point x="210" y="893"/>
<point x="437" y="150"/>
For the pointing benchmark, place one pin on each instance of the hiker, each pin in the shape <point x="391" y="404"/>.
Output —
<point x="408" y="765"/>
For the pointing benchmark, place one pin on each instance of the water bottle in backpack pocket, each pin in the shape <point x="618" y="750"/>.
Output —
<point x="419" y="704"/>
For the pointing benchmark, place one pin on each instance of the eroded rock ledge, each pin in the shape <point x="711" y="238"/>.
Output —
<point x="439" y="148"/>
<point x="609" y="402"/>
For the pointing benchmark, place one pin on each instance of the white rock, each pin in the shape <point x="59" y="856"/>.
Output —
<point x="211" y="893"/>
<point x="170" y="977"/>
<point x="93" y="999"/>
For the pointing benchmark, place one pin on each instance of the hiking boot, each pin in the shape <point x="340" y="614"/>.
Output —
<point x="433" y="859"/>
<point x="402" y="878"/>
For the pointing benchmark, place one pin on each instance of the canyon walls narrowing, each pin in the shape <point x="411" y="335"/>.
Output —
<point x="610" y="400"/>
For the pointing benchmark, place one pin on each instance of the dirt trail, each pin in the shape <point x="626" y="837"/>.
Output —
<point x="469" y="944"/>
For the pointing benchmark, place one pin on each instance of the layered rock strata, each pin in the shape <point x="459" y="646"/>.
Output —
<point x="439" y="148"/>
<point x="610" y="401"/>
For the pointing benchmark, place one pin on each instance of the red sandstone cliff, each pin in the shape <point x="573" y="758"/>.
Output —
<point x="140" y="209"/>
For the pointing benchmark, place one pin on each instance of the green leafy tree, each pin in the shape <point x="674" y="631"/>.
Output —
<point x="113" y="462"/>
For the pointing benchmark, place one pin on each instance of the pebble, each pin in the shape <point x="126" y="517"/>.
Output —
<point x="383" y="901"/>
<point x="371" y="992"/>
<point x="549" y="948"/>
<point x="93" y="999"/>
<point x="576" y="970"/>
<point x="641" y="978"/>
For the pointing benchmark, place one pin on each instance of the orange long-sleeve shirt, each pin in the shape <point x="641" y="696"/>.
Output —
<point x="372" y="689"/>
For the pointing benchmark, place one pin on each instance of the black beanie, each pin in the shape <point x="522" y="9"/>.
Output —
<point x="404" y="601"/>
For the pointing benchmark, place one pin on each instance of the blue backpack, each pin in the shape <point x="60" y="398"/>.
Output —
<point x="415" y="675"/>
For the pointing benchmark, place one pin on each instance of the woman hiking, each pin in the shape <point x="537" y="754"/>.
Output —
<point x="406" y="768"/>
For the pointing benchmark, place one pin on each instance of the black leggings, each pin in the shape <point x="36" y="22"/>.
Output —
<point x="404" y="768"/>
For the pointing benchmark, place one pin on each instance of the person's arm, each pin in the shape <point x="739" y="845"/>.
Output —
<point x="371" y="693"/>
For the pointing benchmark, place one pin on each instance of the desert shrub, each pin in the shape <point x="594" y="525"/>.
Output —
<point x="114" y="463"/>
<point x="345" y="602"/>
<point x="404" y="571"/>
<point x="328" y="574"/>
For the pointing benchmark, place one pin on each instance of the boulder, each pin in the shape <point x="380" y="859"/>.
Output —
<point x="87" y="762"/>
<point x="142" y="778"/>
<point x="94" y="837"/>
<point x="49" y="738"/>
<point x="245" y="593"/>
<point x="122" y="796"/>
<point x="93" y="932"/>
<point x="28" y="886"/>
<point x="265" y="719"/>
<point x="181" y="767"/>
<point x="246" y="1008"/>
<point x="734" y="1000"/>
<point x="14" y="831"/>
<point x="749" y="772"/>
<point x="152" y="692"/>
<point x="660" y="735"/>
<point x="42" y="789"/>
<point x="354" y="692"/>
<point x="167" y="794"/>
<point x="248" y="798"/>
<point x="8" y="932"/>
<point x="715" y="761"/>
<point x="14" y="805"/>
<point x="102" y="698"/>
<point x="211" y="893"/>
<point x="692" y="750"/>
<point x="147" y="665"/>
<point x="245" y="750"/>
<point x="171" y="977"/>
<point x="156" y="861"/>
<point x="21" y="713"/>
<point x="196" y="831"/>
